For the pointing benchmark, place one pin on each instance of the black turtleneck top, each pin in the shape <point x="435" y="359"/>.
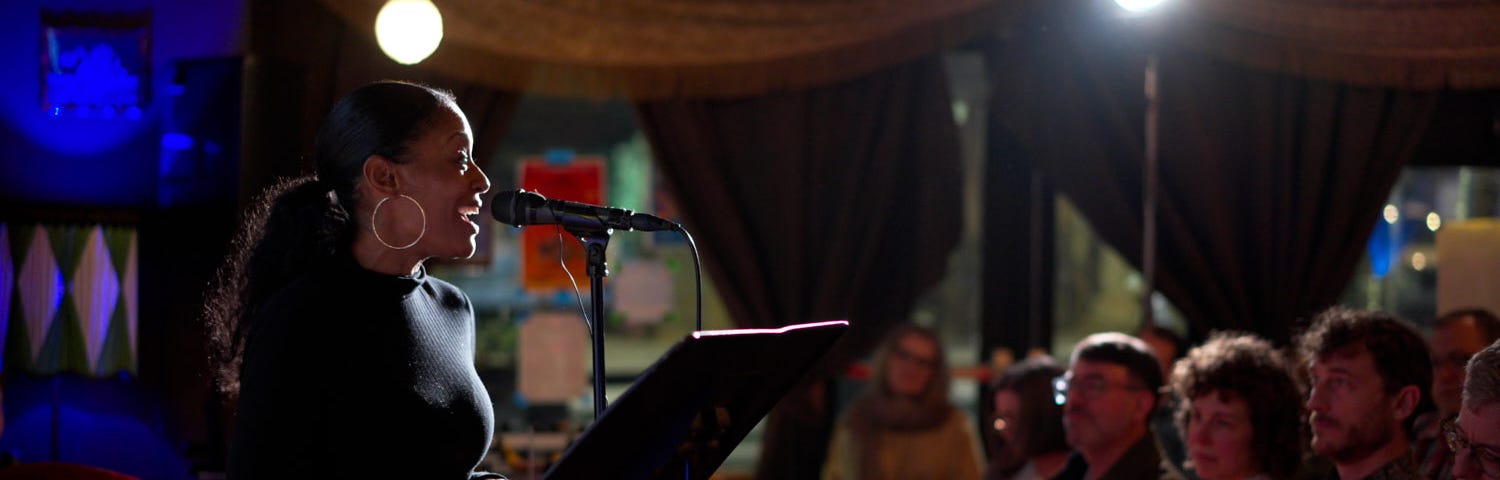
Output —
<point x="348" y="370"/>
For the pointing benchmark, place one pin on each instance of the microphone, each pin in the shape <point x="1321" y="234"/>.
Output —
<point x="520" y="208"/>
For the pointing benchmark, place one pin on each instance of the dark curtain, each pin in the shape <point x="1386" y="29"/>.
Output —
<point x="839" y="202"/>
<point x="303" y="58"/>
<point x="1269" y="184"/>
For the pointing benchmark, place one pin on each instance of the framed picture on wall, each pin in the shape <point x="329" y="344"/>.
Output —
<point x="95" y="65"/>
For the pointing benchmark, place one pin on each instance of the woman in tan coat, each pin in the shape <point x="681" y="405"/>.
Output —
<point x="903" y="426"/>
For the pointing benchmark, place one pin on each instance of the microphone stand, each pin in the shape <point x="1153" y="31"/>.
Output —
<point x="594" y="243"/>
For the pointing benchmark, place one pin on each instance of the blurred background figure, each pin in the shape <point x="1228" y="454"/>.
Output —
<point x="1474" y="436"/>
<point x="903" y="425"/>
<point x="1029" y="423"/>
<point x="1168" y="347"/>
<point x="1239" y="409"/>
<point x="1456" y="336"/>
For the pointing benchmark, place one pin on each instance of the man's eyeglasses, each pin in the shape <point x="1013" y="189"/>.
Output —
<point x="1486" y="458"/>
<point x="1089" y="388"/>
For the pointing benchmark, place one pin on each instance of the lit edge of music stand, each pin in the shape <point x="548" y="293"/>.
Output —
<point x="696" y="403"/>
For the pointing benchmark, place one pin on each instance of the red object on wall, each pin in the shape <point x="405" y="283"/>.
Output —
<point x="579" y="180"/>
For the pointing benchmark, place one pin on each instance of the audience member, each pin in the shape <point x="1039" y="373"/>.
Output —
<point x="1029" y="423"/>
<point x="1369" y="373"/>
<point x="1165" y="344"/>
<point x="1239" y="409"/>
<point x="1455" y="337"/>
<point x="1110" y="391"/>
<point x="1474" y="436"/>
<point x="1168" y="347"/>
<point x="903" y="426"/>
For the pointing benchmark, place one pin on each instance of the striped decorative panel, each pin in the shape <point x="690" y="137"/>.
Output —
<point x="68" y="297"/>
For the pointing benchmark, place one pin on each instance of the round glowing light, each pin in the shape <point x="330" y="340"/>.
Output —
<point x="1434" y="222"/>
<point x="1390" y="214"/>
<point x="960" y="112"/>
<point x="1138" y="5"/>
<point x="1418" y="261"/>
<point x="409" y="30"/>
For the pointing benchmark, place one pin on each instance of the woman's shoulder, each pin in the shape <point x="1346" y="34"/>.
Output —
<point x="958" y="418"/>
<point x="447" y="294"/>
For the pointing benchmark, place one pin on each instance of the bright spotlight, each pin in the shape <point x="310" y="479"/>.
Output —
<point x="1434" y="222"/>
<point x="1138" y="5"/>
<point x="409" y="30"/>
<point x="1390" y="214"/>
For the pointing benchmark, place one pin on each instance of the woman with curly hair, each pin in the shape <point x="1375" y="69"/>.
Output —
<point x="1239" y="409"/>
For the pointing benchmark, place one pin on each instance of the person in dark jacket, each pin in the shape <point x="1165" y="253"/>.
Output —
<point x="344" y="353"/>
<point x="1109" y="393"/>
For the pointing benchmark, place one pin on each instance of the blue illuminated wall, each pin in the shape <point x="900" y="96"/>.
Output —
<point x="129" y="424"/>
<point x="94" y="161"/>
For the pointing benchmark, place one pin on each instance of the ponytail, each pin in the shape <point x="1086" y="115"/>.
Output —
<point x="294" y="226"/>
<point x="301" y="223"/>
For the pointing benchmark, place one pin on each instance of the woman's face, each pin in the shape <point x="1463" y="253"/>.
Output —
<point x="911" y="365"/>
<point x="440" y="175"/>
<point x="1007" y="425"/>
<point x="1219" y="433"/>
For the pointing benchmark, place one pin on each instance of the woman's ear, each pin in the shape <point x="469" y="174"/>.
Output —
<point x="380" y="175"/>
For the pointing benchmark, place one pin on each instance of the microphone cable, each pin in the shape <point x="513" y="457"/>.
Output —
<point x="697" y="276"/>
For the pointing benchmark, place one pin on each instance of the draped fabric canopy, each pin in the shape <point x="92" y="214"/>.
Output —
<point x="1418" y="45"/>
<point x="654" y="49"/>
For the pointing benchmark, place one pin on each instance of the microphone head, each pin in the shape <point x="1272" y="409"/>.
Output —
<point x="510" y="206"/>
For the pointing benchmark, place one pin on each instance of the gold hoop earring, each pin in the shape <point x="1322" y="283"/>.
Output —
<point x="375" y="213"/>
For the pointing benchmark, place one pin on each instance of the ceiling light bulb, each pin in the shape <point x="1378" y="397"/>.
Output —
<point x="409" y="30"/>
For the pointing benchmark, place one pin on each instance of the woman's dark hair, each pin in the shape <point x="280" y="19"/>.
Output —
<point x="1039" y="428"/>
<point x="1242" y="366"/>
<point x="298" y="224"/>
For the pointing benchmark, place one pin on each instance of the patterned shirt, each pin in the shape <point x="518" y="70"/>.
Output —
<point x="1401" y="468"/>
<point x="1434" y="460"/>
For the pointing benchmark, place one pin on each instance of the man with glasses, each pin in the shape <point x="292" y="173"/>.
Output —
<point x="1474" y="436"/>
<point x="1108" y="395"/>
<point x="1369" y="373"/>
<point x="1455" y="337"/>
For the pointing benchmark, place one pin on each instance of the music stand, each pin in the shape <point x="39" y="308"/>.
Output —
<point x="689" y="410"/>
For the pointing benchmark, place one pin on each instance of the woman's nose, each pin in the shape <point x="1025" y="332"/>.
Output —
<point x="1197" y="435"/>
<point x="483" y="182"/>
